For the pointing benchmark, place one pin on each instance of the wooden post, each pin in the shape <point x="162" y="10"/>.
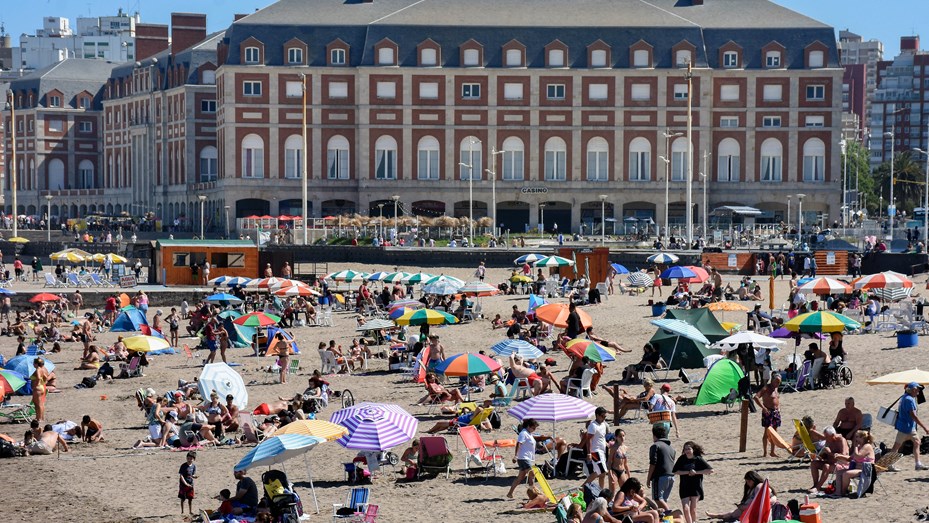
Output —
<point x="614" y="392"/>
<point x="743" y="427"/>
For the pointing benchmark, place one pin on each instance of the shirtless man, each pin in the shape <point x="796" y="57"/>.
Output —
<point x="436" y="351"/>
<point x="93" y="430"/>
<point x="605" y="342"/>
<point x="769" y="400"/>
<point x="848" y="420"/>
<point x="46" y="442"/>
<point x="519" y="370"/>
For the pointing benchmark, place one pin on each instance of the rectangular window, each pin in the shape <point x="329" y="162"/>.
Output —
<point x="641" y="92"/>
<point x="514" y="58"/>
<point x="680" y="91"/>
<point x="84" y="103"/>
<point x="293" y="163"/>
<point x="729" y="121"/>
<point x="638" y="166"/>
<point x="337" y="164"/>
<point x="513" y="165"/>
<point x="728" y="169"/>
<point x="385" y="164"/>
<point x="86" y="127"/>
<point x="225" y="260"/>
<point x="385" y="56"/>
<point x="471" y="91"/>
<point x="773" y="92"/>
<point x="597" y="92"/>
<point x="597" y="165"/>
<point x="771" y="121"/>
<point x="554" y="91"/>
<point x="815" y="121"/>
<point x="813" y="168"/>
<point x="730" y="59"/>
<point x="429" y="91"/>
<point x="773" y="59"/>
<point x="598" y="58"/>
<point x="253" y="163"/>
<point x="512" y="91"/>
<point x="338" y="89"/>
<point x="207" y="169"/>
<point x="472" y="57"/>
<point x="54" y="126"/>
<point x="293" y="89"/>
<point x="180" y="259"/>
<point x="337" y="57"/>
<point x="251" y="88"/>
<point x="428" y="168"/>
<point x="428" y="57"/>
<point x="770" y="168"/>
<point x="295" y="55"/>
<point x="252" y="55"/>
<point x="678" y="158"/>
<point x="387" y="90"/>
<point x="640" y="58"/>
<point x="815" y="92"/>
<point x="555" y="165"/>
<point x="54" y="101"/>
<point x="471" y="158"/>
<point x="208" y="106"/>
<point x="729" y="93"/>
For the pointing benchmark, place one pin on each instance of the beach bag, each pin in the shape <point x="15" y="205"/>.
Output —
<point x="499" y="467"/>
<point x="495" y="420"/>
<point x="7" y="450"/>
<point x="888" y="415"/>
<point x="89" y="382"/>
<point x="660" y="416"/>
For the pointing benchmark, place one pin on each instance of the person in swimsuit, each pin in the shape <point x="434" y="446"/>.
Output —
<point x="45" y="444"/>
<point x="173" y="322"/>
<point x="520" y="370"/>
<point x="39" y="380"/>
<point x="630" y="502"/>
<point x="862" y="452"/>
<point x="848" y="420"/>
<point x="618" y="461"/>
<point x="769" y="400"/>
<point x="93" y="429"/>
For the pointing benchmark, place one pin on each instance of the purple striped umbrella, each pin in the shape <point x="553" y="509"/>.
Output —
<point x="553" y="407"/>
<point x="375" y="426"/>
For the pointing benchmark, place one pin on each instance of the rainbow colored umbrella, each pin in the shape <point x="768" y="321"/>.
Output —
<point x="594" y="351"/>
<point x="257" y="319"/>
<point x="821" y="321"/>
<point x="467" y="364"/>
<point x="397" y="312"/>
<point x="11" y="381"/>
<point x="409" y="304"/>
<point x="426" y="316"/>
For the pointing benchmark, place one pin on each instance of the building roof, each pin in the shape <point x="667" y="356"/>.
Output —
<point x="71" y="76"/>
<point x="752" y="24"/>
<point x="243" y="244"/>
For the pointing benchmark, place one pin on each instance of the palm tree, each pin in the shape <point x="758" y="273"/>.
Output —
<point x="908" y="179"/>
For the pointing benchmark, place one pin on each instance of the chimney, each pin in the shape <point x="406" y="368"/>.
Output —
<point x="238" y="16"/>
<point x="187" y="30"/>
<point x="909" y="43"/>
<point x="150" y="39"/>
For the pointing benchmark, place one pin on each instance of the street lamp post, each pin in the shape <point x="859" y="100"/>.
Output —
<point x="380" y="219"/>
<point x="667" y="177"/>
<point x="48" y="220"/>
<point x="493" y="186"/>
<point x="12" y="105"/>
<point x="690" y="156"/>
<point x="800" y="218"/>
<point x="706" y="179"/>
<point x="226" y="208"/>
<point x="925" y="201"/>
<point x="202" y="199"/>
<point x="788" y="214"/>
<point x="396" y="198"/>
<point x="470" y="166"/>
<point x="303" y="166"/>
<point x="542" y="225"/>
<point x="844" y="147"/>
<point x="603" y="198"/>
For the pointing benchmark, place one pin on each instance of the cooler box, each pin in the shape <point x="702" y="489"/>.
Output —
<point x="658" y="309"/>
<point x="809" y="513"/>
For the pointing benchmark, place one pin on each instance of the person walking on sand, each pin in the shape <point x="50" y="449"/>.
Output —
<point x="691" y="467"/>
<point x="525" y="453"/>
<point x="907" y="423"/>
<point x="187" y="473"/>
<point x="769" y="400"/>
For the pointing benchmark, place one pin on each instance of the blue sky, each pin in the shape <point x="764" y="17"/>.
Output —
<point x="869" y="18"/>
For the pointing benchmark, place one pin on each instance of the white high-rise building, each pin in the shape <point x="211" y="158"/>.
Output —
<point x="109" y="38"/>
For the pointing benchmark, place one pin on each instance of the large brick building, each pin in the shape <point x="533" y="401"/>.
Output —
<point x="576" y="98"/>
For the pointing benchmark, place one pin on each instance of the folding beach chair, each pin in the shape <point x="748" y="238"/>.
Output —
<point x="191" y="356"/>
<point x="294" y="366"/>
<point x="19" y="413"/>
<point x="476" y="453"/>
<point x="434" y="456"/>
<point x="250" y="431"/>
<point x="131" y="369"/>
<point x="357" y="502"/>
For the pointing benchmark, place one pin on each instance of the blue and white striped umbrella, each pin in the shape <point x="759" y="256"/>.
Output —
<point x="518" y="347"/>
<point x="681" y="328"/>
<point x="528" y="258"/>
<point x="663" y="258"/>
<point x="219" y="280"/>
<point x="640" y="279"/>
<point x="677" y="272"/>
<point x="237" y="281"/>
<point x="620" y="269"/>
<point x="378" y="276"/>
<point x="278" y="450"/>
<point x="443" y="288"/>
<point x="375" y="426"/>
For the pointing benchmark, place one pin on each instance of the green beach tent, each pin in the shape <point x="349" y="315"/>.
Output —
<point x="689" y="353"/>
<point x="721" y="378"/>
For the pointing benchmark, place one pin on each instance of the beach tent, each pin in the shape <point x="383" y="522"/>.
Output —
<point x="722" y="376"/>
<point x="272" y="331"/>
<point x="129" y="320"/>
<point x="689" y="353"/>
<point x="240" y="336"/>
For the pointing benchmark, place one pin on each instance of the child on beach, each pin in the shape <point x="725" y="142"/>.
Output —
<point x="225" y="507"/>
<point x="187" y="473"/>
<point x="497" y="322"/>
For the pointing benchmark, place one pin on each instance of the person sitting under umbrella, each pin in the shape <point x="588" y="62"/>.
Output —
<point x="436" y="393"/>
<point x="520" y="371"/>
<point x="461" y="420"/>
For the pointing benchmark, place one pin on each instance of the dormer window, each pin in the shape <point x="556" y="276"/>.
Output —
<point x="816" y="59"/>
<point x="428" y="57"/>
<point x="640" y="58"/>
<point x="385" y="56"/>
<point x="772" y="59"/>
<point x="295" y="56"/>
<point x="471" y="57"/>
<point x="556" y="58"/>
<point x="598" y="58"/>
<point x="730" y="59"/>
<point x="514" y="58"/>
<point x="337" y="57"/>
<point x="682" y="57"/>
<point x="54" y="100"/>
<point x="252" y="55"/>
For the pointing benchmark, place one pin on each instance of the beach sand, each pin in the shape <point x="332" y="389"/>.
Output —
<point x="109" y="482"/>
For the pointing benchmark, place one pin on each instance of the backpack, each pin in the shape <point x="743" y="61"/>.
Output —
<point x="495" y="420"/>
<point x="89" y="382"/>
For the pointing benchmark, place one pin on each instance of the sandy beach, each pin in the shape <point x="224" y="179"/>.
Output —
<point x="110" y="482"/>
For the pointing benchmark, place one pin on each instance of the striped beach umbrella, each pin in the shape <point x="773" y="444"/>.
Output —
<point x="142" y="343"/>
<point x="821" y="321"/>
<point x="620" y="269"/>
<point x="347" y="276"/>
<point x="375" y="324"/>
<point x="553" y="407"/>
<point x="517" y="347"/>
<point x="409" y="304"/>
<point x="257" y="319"/>
<point x="396" y="312"/>
<point x="378" y="276"/>
<point x="237" y="281"/>
<point x="663" y="258"/>
<point x="219" y="280"/>
<point x="296" y="291"/>
<point x="442" y="288"/>
<point x="467" y="364"/>
<point x="395" y="277"/>
<point x="11" y="381"/>
<point x="528" y="258"/>
<point x="417" y="277"/>
<point x="884" y="280"/>
<point x="426" y="316"/>
<point x="824" y="286"/>
<point x="677" y="272"/>
<point x="553" y="261"/>
<point x="478" y="288"/>
<point x="594" y="351"/>
<point x="375" y="426"/>
<point x="443" y="278"/>
<point x="888" y="294"/>
<point x="317" y="428"/>
<point x="557" y="314"/>
<point x="640" y="279"/>
<point x="278" y="449"/>
<point x="264" y="283"/>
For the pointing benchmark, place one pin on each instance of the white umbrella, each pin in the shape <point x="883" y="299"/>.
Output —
<point x="443" y="288"/>
<point x="376" y="324"/>
<point x="758" y="340"/>
<point x="222" y="379"/>
<point x="683" y="330"/>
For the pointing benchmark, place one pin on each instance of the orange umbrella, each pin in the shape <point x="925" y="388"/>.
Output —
<point x="701" y="275"/>
<point x="557" y="314"/>
<point x="124" y="300"/>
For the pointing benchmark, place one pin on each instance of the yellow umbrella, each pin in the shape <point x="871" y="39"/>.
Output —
<point x="520" y="278"/>
<point x="144" y="343"/>
<point x="62" y="255"/>
<point x="727" y="306"/>
<point x="69" y="257"/>
<point x="314" y="427"/>
<point x="113" y="257"/>
<point x="902" y="378"/>
<point x="18" y="239"/>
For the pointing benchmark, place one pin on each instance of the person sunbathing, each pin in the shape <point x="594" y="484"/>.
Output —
<point x="605" y="342"/>
<point x="536" y="498"/>
<point x="520" y="371"/>
<point x="436" y="393"/>
<point x="45" y="444"/>
<point x="461" y="421"/>
<point x="628" y="401"/>
<point x="91" y="361"/>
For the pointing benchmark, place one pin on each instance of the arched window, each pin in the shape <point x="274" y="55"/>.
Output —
<point x="253" y="157"/>
<point x="678" y="159"/>
<point x="208" y="164"/>
<point x="556" y="152"/>
<point x="85" y="175"/>
<point x="385" y="158"/>
<point x="337" y="158"/>
<point x="598" y="160"/>
<point x="772" y="153"/>
<point x="640" y="153"/>
<point x="471" y="158"/>
<point x="293" y="156"/>
<point x="727" y="161"/>
<point x="56" y="175"/>
<point x="427" y="167"/>
<point x="814" y="160"/>
<point x="513" y="153"/>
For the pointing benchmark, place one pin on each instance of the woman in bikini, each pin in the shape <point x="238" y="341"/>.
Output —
<point x="282" y="349"/>
<point x="862" y="452"/>
<point x="618" y="461"/>
<point x="39" y="380"/>
<point x="630" y="502"/>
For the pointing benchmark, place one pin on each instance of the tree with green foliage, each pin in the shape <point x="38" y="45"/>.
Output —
<point x="908" y="177"/>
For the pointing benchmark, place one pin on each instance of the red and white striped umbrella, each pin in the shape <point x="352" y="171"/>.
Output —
<point x="296" y="290"/>
<point x="823" y="286"/>
<point x="264" y="283"/>
<point x="884" y="280"/>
